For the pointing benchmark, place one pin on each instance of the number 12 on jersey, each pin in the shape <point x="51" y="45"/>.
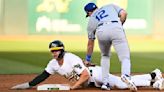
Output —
<point x="100" y="15"/>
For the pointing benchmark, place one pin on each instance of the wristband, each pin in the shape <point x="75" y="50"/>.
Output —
<point x="88" y="58"/>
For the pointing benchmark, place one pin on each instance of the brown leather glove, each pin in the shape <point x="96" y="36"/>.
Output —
<point x="87" y="64"/>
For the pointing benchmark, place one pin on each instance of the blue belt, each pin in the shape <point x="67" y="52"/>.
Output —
<point x="110" y="21"/>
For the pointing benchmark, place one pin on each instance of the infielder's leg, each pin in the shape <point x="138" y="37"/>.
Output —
<point x="121" y="46"/>
<point x="105" y="59"/>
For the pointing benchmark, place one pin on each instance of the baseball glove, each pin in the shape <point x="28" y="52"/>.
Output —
<point x="88" y="64"/>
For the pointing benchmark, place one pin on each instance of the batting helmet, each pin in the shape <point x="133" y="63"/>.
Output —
<point x="89" y="8"/>
<point x="57" y="45"/>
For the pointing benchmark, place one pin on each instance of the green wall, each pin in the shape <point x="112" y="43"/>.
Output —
<point x="158" y="16"/>
<point x="140" y="12"/>
<point x="69" y="21"/>
<point x="20" y="17"/>
<point x="139" y="19"/>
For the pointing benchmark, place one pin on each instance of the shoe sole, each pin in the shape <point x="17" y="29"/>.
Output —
<point x="162" y="86"/>
<point x="104" y="88"/>
<point x="131" y="86"/>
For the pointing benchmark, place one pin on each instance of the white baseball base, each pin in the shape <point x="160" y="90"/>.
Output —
<point x="53" y="87"/>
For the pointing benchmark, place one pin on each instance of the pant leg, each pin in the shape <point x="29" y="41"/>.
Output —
<point x="142" y="80"/>
<point x="121" y="47"/>
<point x="103" y="35"/>
<point x="116" y="82"/>
<point x="139" y="81"/>
<point x="105" y="59"/>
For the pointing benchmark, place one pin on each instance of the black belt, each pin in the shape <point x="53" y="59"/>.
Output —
<point x="114" y="21"/>
<point x="110" y="21"/>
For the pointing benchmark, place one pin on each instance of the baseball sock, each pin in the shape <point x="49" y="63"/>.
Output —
<point x="125" y="67"/>
<point x="105" y="68"/>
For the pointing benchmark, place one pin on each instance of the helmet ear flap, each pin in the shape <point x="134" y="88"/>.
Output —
<point x="61" y="53"/>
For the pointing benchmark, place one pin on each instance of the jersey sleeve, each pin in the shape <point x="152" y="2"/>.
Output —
<point x="117" y="8"/>
<point x="91" y="29"/>
<point x="50" y="67"/>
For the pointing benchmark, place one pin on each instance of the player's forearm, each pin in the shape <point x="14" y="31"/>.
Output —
<point x="90" y="48"/>
<point x="39" y="78"/>
<point x="83" y="78"/>
<point x="32" y="83"/>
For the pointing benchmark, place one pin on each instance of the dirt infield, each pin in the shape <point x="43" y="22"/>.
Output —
<point x="7" y="81"/>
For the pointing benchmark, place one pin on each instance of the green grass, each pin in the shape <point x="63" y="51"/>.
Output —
<point x="14" y="67"/>
<point x="19" y="57"/>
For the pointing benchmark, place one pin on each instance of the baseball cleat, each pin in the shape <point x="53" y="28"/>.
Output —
<point x="158" y="75"/>
<point x="159" y="84"/>
<point x="130" y="84"/>
<point x="105" y="86"/>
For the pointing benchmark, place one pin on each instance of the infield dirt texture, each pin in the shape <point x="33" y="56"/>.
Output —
<point x="7" y="81"/>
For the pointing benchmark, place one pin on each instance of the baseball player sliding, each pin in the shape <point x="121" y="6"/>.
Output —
<point x="72" y="67"/>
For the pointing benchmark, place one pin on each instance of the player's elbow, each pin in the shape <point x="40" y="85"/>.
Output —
<point x="123" y="13"/>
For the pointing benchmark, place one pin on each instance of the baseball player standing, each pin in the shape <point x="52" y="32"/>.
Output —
<point x="107" y="23"/>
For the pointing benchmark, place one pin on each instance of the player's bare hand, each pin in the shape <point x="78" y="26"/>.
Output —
<point x="87" y="64"/>
<point x="22" y="86"/>
<point x="72" y="87"/>
<point x="75" y="87"/>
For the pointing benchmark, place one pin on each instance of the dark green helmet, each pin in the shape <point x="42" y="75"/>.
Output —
<point x="57" y="45"/>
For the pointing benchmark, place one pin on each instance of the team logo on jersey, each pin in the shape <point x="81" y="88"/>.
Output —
<point x="73" y="76"/>
<point x="78" y="66"/>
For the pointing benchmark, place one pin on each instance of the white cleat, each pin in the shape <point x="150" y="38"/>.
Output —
<point x="129" y="83"/>
<point x="158" y="75"/>
<point x="159" y="84"/>
<point x="105" y="86"/>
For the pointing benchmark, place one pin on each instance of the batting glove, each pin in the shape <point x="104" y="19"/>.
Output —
<point x="22" y="86"/>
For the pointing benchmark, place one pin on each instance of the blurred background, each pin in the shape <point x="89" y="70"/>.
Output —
<point x="27" y="27"/>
